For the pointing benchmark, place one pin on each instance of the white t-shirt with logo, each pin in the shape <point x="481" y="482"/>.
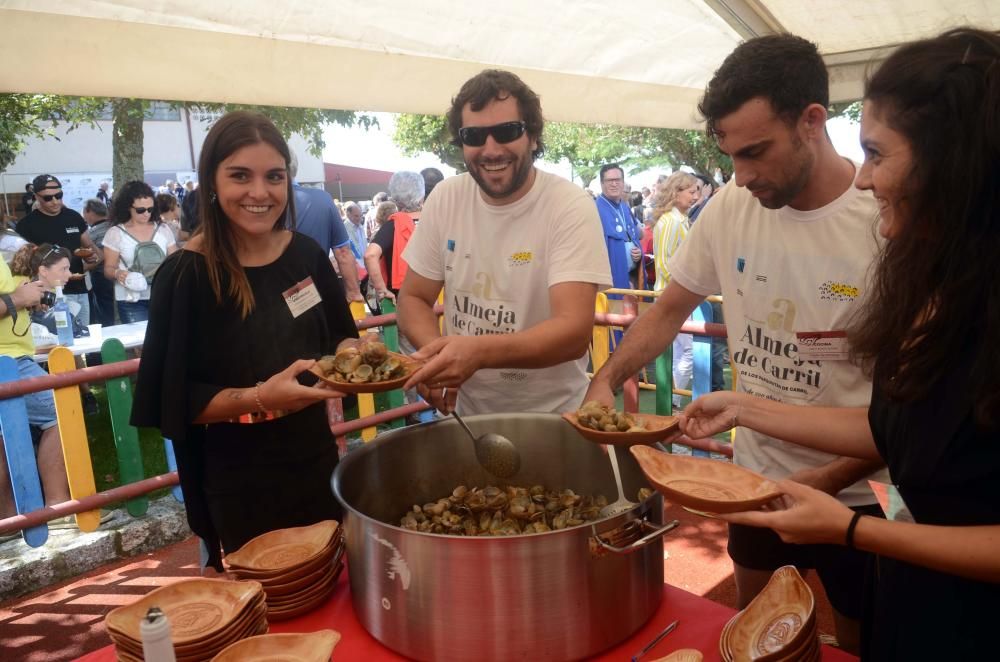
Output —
<point x="780" y="272"/>
<point x="497" y="264"/>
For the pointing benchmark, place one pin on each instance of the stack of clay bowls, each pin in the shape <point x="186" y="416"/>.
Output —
<point x="297" y="567"/>
<point x="205" y="616"/>
<point x="779" y="625"/>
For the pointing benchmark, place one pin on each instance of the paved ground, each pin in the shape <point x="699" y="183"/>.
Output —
<point x="65" y="621"/>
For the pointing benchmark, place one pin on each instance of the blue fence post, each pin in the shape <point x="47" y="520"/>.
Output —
<point x="21" y="465"/>
<point x="168" y="448"/>
<point x="702" y="354"/>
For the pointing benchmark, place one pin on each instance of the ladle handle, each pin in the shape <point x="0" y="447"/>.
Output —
<point x="613" y="456"/>
<point x="641" y="542"/>
<point x="464" y="426"/>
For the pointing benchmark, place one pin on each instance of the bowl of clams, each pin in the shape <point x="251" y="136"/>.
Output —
<point x="367" y="367"/>
<point x="605" y="425"/>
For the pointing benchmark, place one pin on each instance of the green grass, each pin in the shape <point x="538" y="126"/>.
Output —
<point x="103" y="455"/>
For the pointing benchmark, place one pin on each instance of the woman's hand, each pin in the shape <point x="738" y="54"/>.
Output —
<point x="283" y="391"/>
<point x="711" y="414"/>
<point x="802" y="515"/>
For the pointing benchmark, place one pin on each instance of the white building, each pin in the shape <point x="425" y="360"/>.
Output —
<point x="82" y="158"/>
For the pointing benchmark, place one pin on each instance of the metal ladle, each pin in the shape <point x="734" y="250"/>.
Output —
<point x="496" y="453"/>
<point x="622" y="504"/>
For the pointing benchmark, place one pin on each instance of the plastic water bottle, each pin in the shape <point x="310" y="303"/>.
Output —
<point x="155" y="631"/>
<point x="64" y="322"/>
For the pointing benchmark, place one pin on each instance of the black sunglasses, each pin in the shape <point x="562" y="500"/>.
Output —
<point x="143" y="210"/>
<point x="49" y="198"/>
<point x="475" y="136"/>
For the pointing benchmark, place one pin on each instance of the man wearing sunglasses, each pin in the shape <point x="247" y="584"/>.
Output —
<point x="51" y="222"/>
<point x="521" y="257"/>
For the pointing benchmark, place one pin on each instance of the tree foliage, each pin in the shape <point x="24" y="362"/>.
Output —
<point x="851" y="111"/>
<point x="25" y="116"/>
<point x="307" y="122"/>
<point x="416" y="134"/>
<point x="588" y="146"/>
<point x="585" y="146"/>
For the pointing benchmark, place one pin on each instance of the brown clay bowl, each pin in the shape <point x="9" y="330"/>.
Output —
<point x="274" y="615"/>
<point x="777" y="621"/>
<point x="197" y="608"/>
<point x="410" y="366"/>
<point x="284" y="576"/>
<point x="283" y="549"/>
<point x="312" y="647"/>
<point x="683" y="655"/>
<point x="283" y="590"/>
<point x="247" y="624"/>
<point x="657" y="429"/>
<point x="712" y="486"/>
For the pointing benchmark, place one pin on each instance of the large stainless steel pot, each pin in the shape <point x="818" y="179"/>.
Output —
<point x="554" y="596"/>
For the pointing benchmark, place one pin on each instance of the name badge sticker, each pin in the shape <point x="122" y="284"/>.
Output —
<point x="302" y="296"/>
<point x="823" y="345"/>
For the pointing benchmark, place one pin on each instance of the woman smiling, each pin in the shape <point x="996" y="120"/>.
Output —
<point x="236" y="320"/>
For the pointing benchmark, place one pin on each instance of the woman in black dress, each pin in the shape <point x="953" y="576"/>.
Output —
<point x="929" y="332"/>
<point x="237" y="319"/>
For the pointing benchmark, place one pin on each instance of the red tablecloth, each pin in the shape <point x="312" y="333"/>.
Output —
<point x="701" y="622"/>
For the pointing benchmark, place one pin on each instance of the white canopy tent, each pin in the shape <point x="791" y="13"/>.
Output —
<point x="637" y="62"/>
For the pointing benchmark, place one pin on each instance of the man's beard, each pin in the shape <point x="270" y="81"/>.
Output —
<point x="518" y="179"/>
<point x="796" y="178"/>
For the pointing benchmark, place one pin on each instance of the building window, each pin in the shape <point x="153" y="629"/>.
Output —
<point x="157" y="110"/>
<point x="207" y="116"/>
<point x="163" y="111"/>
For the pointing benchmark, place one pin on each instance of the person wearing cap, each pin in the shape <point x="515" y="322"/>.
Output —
<point x="52" y="222"/>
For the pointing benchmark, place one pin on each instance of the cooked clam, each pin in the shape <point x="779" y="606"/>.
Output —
<point x="511" y="511"/>
<point x="369" y="361"/>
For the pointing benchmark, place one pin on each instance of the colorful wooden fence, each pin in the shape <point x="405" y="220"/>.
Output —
<point x="64" y="379"/>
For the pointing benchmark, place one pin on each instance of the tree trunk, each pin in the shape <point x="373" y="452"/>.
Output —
<point x="127" y="141"/>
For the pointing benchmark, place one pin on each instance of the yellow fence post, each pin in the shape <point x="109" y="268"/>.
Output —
<point x="73" y="433"/>
<point x="366" y="401"/>
<point x="600" y="348"/>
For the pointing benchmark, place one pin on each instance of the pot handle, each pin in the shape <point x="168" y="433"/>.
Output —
<point x="641" y="542"/>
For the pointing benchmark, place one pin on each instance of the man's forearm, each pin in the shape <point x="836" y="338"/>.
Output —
<point x="348" y="272"/>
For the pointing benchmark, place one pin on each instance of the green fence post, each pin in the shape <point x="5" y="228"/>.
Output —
<point x="119" y="392"/>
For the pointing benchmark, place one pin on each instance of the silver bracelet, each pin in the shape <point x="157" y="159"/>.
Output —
<point x="256" y="397"/>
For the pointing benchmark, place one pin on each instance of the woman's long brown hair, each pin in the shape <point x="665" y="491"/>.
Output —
<point x="936" y="294"/>
<point x="232" y="132"/>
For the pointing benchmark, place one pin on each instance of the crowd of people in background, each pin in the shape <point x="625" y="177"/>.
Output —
<point x="894" y="254"/>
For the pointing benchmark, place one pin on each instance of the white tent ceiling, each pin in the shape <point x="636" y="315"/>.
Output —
<point x="637" y="62"/>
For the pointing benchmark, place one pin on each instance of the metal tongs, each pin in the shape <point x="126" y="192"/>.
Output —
<point x="648" y="647"/>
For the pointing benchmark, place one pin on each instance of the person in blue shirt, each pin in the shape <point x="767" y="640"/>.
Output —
<point x="317" y="217"/>
<point x="622" y="233"/>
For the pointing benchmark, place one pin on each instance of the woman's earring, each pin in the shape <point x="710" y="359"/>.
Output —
<point x="212" y="198"/>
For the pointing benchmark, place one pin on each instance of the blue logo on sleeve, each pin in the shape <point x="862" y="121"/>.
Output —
<point x="740" y="264"/>
<point x="451" y="245"/>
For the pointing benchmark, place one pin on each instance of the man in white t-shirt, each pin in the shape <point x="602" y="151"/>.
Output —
<point x="789" y="245"/>
<point x="521" y="257"/>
